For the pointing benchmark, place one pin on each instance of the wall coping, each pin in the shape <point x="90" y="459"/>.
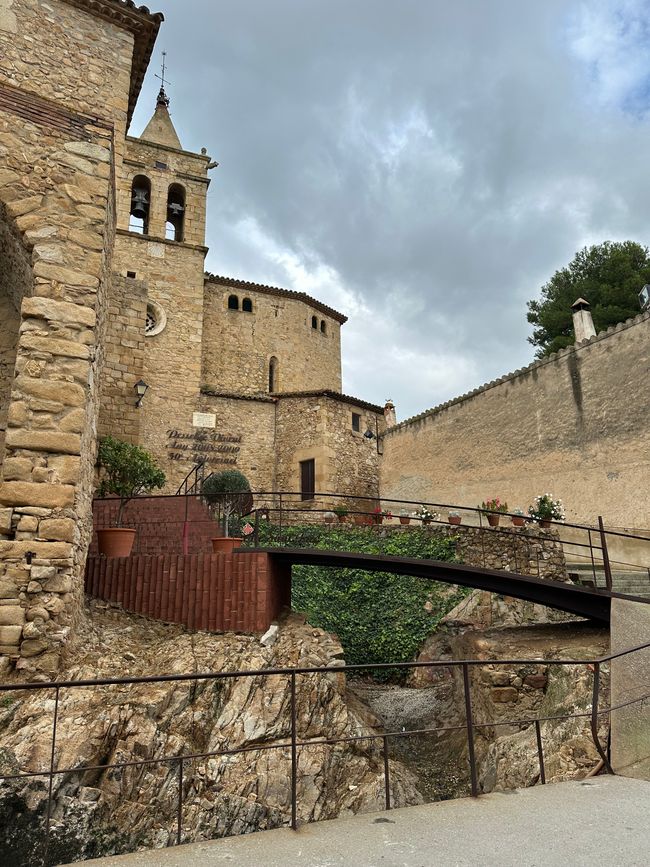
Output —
<point x="522" y="371"/>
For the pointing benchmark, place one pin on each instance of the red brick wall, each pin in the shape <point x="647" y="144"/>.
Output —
<point x="212" y="592"/>
<point x="160" y="523"/>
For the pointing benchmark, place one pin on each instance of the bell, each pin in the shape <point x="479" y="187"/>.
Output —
<point x="139" y="203"/>
<point x="175" y="209"/>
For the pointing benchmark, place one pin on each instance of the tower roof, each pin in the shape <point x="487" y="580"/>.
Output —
<point x="160" y="129"/>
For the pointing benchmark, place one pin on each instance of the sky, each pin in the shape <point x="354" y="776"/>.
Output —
<point x="422" y="167"/>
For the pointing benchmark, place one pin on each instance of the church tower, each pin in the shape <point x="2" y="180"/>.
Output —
<point x="155" y="323"/>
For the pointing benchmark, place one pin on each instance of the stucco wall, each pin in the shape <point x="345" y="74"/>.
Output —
<point x="574" y="425"/>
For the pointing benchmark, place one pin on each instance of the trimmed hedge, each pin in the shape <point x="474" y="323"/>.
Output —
<point x="378" y="617"/>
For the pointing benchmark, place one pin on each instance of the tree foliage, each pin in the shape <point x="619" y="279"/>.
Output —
<point x="609" y="276"/>
<point x="229" y="493"/>
<point x="128" y="471"/>
<point x="377" y="616"/>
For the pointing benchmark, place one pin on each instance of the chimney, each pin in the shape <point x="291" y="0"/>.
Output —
<point x="389" y="414"/>
<point x="583" y="324"/>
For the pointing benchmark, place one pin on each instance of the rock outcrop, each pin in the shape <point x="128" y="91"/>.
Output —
<point x="106" y="811"/>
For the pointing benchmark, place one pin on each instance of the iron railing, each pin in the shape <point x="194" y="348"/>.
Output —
<point x="295" y="743"/>
<point x="594" y="546"/>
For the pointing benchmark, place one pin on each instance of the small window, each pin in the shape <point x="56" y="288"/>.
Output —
<point x="131" y="275"/>
<point x="323" y="327"/>
<point x="247" y="305"/>
<point x="356" y="421"/>
<point x="307" y="479"/>
<point x="314" y="322"/>
<point x="160" y="165"/>
<point x="233" y="302"/>
<point x="273" y="375"/>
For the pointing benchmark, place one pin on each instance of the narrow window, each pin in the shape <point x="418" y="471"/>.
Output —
<point x="356" y="421"/>
<point x="323" y="327"/>
<point x="140" y="205"/>
<point x="233" y="302"/>
<point x="175" y="213"/>
<point x="247" y="305"/>
<point x="273" y="375"/>
<point x="314" y="322"/>
<point x="307" y="479"/>
<point x="131" y="275"/>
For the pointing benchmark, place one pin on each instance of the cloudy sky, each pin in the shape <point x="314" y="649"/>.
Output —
<point x="423" y="167"/>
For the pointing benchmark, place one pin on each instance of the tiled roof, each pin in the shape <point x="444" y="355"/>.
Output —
<point x="246" y="286"/>
<point x="141" y="22"/>
<point x="523" y="371"/>
<point x="333" y="395"/>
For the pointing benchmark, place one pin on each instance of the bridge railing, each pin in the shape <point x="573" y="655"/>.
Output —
<point x="598" y="717"/>
<point x="613" y="558"/>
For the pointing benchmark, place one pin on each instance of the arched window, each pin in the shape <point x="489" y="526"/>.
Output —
<point x="323" y="326"/>
<point x="314" y="322"/>
<point x="233" y="302"/>
<point x="273" y="375"/>
<point x="175" y="213"/>
<point x="140" y="205"/>
<point x="247" y="305"/>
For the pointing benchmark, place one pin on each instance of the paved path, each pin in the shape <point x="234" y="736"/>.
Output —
<point x="602" y="821"/>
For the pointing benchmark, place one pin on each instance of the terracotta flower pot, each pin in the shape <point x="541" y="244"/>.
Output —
<point x="545" y="523"/>
<point x="404" y="519"/>
<point x="454" y="519"/>
<point x="426" y="521"/>
<point x="493" y="519"/>
<point x="518" y="520"/>
<point x="377" y="519"/>
<point x="361" y="520"/>
<point x="343" y="519"/>
<point x="225" y="544"/>
<point x="116" y="541"/>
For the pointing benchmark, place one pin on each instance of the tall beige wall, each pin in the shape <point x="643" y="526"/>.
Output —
<point x="574" y="425"/>
<point x="238" y="346"/>
<point x="58" y="160"/>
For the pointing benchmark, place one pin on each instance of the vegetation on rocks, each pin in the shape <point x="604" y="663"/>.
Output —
<point x="377" y="616"/>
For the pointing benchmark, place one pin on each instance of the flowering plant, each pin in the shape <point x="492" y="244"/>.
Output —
<point x="545" y="508"/>
<point x="380" y="513"/>
<point x="494" y="505"/>
<point x="425" y="514"/>
<point x="519" y="512"/>
<point x="454" y="514"/>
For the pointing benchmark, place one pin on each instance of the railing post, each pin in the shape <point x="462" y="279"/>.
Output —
<point x="179" y="815"/>
<point x="280" y="527"/>
<point x="294" y="755"/>
<point x="593" y="562"/>
<point x="256" y="533"/>
<point x="603" y="543"/>
<point x="470" y="730"/>
<point x="594" y="718"/>
<point x="386" y="773"/>
<point x="51" y="776"/>
<point x="540" y="753"/>
<point x="186" y="529"/>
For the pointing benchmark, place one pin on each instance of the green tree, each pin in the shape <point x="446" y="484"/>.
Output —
<point x="609" y="276"/>
<point x="229" y="493"/>
<point x="128" y="471"/>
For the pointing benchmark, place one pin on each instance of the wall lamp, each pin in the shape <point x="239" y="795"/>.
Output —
<point x="369" y="435"/>
<point x="141" y="388"/>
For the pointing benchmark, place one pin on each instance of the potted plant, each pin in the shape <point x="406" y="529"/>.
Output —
<point x="454" y="518"/>
<point x="341" y="513"/>
<point x="405" y="517"/>
<point x="546" y="509"/>
<point x="329" y="517"/>
<point x="493" y="509"/>
<point x="379" y="514"/>
<point x="426" y="515"/>
<point x="127" y="471"/>
<point x="229" y="495"/>
<point x="518" y="519"/>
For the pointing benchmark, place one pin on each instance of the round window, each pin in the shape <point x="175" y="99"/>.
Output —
<point x="156" y="319"/>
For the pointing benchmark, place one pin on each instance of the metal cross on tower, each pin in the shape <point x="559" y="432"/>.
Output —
<point x="163" y="99"/>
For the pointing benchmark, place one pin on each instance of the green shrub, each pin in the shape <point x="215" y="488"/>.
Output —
<point x="377" y="616"/>
<point x="127" y="471"/>
<point x="228" y="493"/>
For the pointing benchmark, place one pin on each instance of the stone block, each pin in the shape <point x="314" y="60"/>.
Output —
<point x="34" y="587"/>
<point x="31" y="631"/>
<point x="27" y="524"/>
<point x="73" y="422"/>
<point x="504" y="694"/>
<point x="57" y="530"/>
<point x="5" y="519"/>
<point x="43" y="573"/>
<point x="11" y="635"/>
<point x="16" y="470"/>
<point x="53" y="346"/>
<point x="44" y="441"/>
<point x="42" y="550"/>
<point x="8" y="589"/>
<point x="536" y="681"/>
<point x="33" y="647"/>
<point x="66" y="467"/>
<point x="60" y="311"/>
<point x="37" y="614"/>
<point x="35" y="494"/>
<point x="9" y="650"/>
<point x="12" y="615"/>
<point x="59" y="584"/>
<point x="66" y="393"/>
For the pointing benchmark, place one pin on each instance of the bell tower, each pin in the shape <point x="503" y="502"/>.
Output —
<point x="155" y="326"/>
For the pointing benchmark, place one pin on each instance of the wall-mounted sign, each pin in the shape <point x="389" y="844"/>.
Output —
<point x="203" y="445"/>
<point x="204" y="419"/>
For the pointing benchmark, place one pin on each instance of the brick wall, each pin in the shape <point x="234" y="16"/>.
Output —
<point x="212" y="592"/>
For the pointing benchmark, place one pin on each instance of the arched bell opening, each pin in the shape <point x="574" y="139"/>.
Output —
<point x="140" y="205"/>
<point x="15" y="284"/>
<point x="175" y="225"/>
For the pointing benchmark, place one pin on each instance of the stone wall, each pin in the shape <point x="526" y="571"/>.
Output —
<point x="238" y="346"/>
<point x="574" y="424"/>
<point x="59" y="157"/>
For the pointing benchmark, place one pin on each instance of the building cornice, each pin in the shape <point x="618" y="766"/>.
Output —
<point x="246" y="286"/>
<point x="331" y="395"/>
<point x="139" y="21"/>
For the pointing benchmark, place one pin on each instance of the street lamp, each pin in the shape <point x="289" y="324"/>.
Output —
<point x="141" y="388"/>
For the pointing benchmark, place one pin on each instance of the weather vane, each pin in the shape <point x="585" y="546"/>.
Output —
<point x="163" y="99"/>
